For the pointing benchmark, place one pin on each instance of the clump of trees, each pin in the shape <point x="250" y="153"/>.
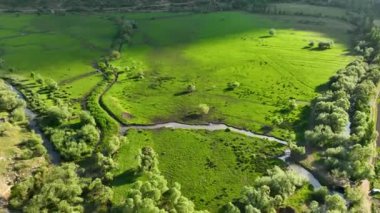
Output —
<point x="343" y="126"/>
<point x="324" y="45"/>
<point x="154" y="193"/>
<point x="60" y="189"/>
<point x="268" y="192"/>
<point x="124" y="34"/>
<point x="54" y="189"/>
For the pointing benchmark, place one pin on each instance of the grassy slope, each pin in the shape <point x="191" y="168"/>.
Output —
<point x="183" y="158"/>
<point x="59" y="47"/>
<point x="211" y="50"/>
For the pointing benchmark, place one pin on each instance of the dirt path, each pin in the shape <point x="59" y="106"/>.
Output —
<point x="365" y="189"/>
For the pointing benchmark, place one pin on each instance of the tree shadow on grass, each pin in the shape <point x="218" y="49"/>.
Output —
<point x="182" y="93"/>
<point x="322" y="87"/>
<point x="267" y="36"/>
<point x="192" y="116"/>
<point x="127" y="177"/>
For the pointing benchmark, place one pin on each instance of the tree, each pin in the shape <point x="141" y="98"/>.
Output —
<point x="51" y="84"/>
<point x="56" y="116"/>
<point x="311" y="44"/>
<point x="203" y="109"/>
<point x="86" y="118"/>
<point x="112" y="145"/>
<point x="233" y="85"/>
<point x="115" y="55"/>
<point x="335" y="203"/>
<point x="323" y="45"/>
<point x="57" y="189"/>
<point x="191" y="88"/>
<point x="272" y="32"/>
<point x="147" y="160"/>
<point x="99" y="196"/>
<point x="89" y="134"/>
<point x="230" y="208"/>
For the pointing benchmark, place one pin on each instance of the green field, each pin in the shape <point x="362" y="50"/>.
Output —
<point x="211" y="50"/>
<point x="60" y="47"/>
<point x="212" y="167"/>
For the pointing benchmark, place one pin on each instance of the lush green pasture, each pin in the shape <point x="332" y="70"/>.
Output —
<point x="55" y="46"/>
<point x="211" y="50"/>
<point x="212" y="167"/>
<point x="307" y="9"/>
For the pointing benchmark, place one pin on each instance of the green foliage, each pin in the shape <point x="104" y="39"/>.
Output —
<point x="33" y="147"/>
<point x="74" y="144"/>
<point x="147" y="160"/>
<point x="86" y="118"/>
<point x="269" y="192"/>
<point x="99" y="196"/>
<point x="347" y="146"/>
<point x="108" y="126"/>
<point x="272" y="32"/>
<point x="203" y="109"/>
<point x="233" y="85"/>
<point x="50" y="189"/>
<point x="335" y="203"/>
<point x="56" y="116"/>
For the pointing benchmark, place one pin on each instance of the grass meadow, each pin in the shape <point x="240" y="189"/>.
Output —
<point x="211" y="50"/>
<point x="212" y="167"/>
<point x="60" y="47"/>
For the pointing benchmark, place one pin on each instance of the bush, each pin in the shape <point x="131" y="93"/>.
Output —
<point x="272" y="32"/>
<point x="233" y="85"/>
<point x="203" y="109"/>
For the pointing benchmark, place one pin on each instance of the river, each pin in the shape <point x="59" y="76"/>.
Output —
<point x="55" y="158"/>
<point x="53" y="154"/>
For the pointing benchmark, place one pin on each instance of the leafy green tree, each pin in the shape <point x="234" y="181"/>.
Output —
<point x="191" y="88"/>
<point x="56" y="116"/>
<point x="112" y="145"/>
<point x="54" y="189"/>
<point x="335" y="203"/>
<point x="272" y="32"/>
<point x="233" y="85"/>
<point x="86" y="118"/>
<point x="99" y="196"/>
<point x="230" y="208"/>
<point x="147" y="160"/>
<point x="203" y="109"/>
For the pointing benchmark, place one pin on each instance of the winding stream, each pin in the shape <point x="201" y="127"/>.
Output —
<point x="53" y="154"/>
<point x="55" y="158"/>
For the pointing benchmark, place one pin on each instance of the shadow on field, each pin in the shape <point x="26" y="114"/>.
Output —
<point x="127" y="177"/>
<point x="192" y="116"/>
<point x="267" y="36"/>
<point x="181" y="93"/>
<point x="322" y="87"/>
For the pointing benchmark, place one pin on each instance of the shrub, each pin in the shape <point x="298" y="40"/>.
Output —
<point x="233" y="85"/>
<point x="272" y="32"/>
<point x="191" y="88"/>
<point x="203" y="109"/>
